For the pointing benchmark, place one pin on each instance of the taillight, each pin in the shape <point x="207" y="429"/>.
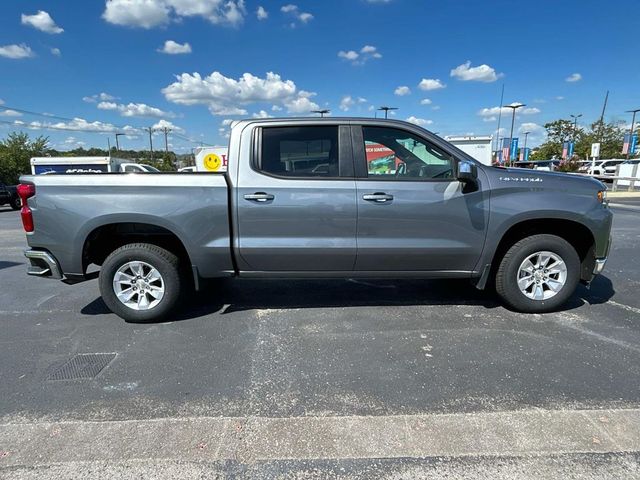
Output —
<point x="26" y="191"/>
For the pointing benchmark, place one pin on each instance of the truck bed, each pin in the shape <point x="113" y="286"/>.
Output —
<point x="69" y="209"/>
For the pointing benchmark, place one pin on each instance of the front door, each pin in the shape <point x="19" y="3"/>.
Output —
<point x="413" y="214"/>
<point x="297" y="204"/>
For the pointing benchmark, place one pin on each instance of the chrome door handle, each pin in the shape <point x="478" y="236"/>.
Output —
<point x="259" y="197"/>
<point x="377" y="197"/>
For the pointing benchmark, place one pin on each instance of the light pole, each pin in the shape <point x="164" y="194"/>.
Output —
<point x="575" y="128"/>
<point x="526" y="134"/>
<point x="633" y="124"/>
<point x="117" y="144"/>
<point x="321" y="112"/>
<point x="386" y="110"/>
<point x="513" y="107"/>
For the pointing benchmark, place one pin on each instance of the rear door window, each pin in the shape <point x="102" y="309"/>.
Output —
<point x="305" y="151"/>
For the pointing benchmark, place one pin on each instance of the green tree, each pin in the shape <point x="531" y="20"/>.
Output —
<point x="15" y="153"/>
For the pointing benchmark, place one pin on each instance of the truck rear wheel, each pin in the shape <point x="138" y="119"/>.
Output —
<point x="538" y="274"/>
<point x="141" y="282"/>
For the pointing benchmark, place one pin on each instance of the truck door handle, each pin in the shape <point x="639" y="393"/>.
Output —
<point x="259" y="197"/>
<point x="378" y="197"/>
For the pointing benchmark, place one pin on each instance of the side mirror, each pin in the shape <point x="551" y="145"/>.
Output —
<point x="467" y="172"/>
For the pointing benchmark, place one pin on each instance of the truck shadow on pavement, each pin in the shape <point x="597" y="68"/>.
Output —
<point x="227" y="296"/>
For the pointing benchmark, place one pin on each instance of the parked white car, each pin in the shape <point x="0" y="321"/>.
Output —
<point x="601" y="167"/>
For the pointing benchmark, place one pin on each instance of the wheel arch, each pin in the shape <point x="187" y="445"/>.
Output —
<point x="574" y="232"/>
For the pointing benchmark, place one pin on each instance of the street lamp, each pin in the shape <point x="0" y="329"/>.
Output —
<point x="575" y="125"/>
<point x="526" y="134"/>
<point x="386" y="110"/>
<point x="321" y="112"/>
<point x="117" y="144"/>
<point x="514" y="107"/>
<point x="633" y="124"/>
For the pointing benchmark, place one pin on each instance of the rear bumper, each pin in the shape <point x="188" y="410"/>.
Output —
<point x="43" y="264"/>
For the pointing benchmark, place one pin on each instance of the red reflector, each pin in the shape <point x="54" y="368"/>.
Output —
<point x="27" y="219"/>
<point x="25" y="191"/>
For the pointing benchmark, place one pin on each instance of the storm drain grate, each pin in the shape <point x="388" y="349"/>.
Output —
<point x="82" y="366"/>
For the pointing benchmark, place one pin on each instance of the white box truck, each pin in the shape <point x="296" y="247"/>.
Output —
<point x="479" y="147"/>
<point x="46" y="165"/>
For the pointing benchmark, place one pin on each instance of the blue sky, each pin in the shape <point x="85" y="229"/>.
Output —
<point x="107" y="65"/>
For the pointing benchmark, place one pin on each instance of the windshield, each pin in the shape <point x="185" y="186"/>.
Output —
<point x="149" y="168"/>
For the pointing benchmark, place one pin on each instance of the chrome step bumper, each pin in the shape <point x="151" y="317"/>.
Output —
<point x="43" y="264"/>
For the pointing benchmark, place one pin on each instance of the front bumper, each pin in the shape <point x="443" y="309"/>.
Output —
<point x="598" y="267"/>
<point x="43" y="264"/>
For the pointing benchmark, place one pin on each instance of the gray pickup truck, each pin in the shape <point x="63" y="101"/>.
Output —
<point x="333" y="197"/>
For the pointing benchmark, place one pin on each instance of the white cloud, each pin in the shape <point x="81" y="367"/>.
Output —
<point x="261" y="114"/>
<point x="366" y="53"/>
<point x="162" y="124"/>
<point x="495" y="111"/>
<point x="103" y="97"/>
<point x="261" y="13"/>
<point x="16" y="52"/>
<point x="426" y="101"/>
<point x="489" y="119"/>
<point x="154" y="13"/>
<point x="421" y="122"/>
<point x="481" y="73"/>
<point x="41" y="21"/>
<point x="559" y="97"/>
<point x="56" y="52"/>
<point x="402" y="91"/>
<point x="226" y="122"/>
<point x="77" y="124"/>
<point x="1" y="102"/>
<point x="276" y="108"/>
<point x="436" y="107"/>
<point x="174" y="48"/>
<point x="574" y="77"/>
<point x="228" y="96"/>
<point x="9" y="113"/>
<point x="293" y="11"/>
<point x="135" y="110"/>
<point x="530" y="127"/>
<point x="431" y="84"/>
<point x="346" y="103"/>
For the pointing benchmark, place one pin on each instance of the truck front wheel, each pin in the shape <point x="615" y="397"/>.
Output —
<point x="141" y="282"/>
<point x="538" y="274"/>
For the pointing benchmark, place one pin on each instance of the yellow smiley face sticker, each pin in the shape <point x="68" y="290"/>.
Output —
<point x="212" y="162"/>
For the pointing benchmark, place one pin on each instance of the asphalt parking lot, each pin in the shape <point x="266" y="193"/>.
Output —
<point x="264" y="361"/>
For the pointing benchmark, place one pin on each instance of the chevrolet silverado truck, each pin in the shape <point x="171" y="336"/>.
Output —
<point x="333" y="197"/>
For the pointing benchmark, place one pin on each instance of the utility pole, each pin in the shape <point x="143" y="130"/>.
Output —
<point x="150" y="130"/>
<point x="321" y="112"/>
<point x="513" y="107"/>
<point x="109" y="146"/>
<point x="601" y="126"/>
<point x="166" y="131"/>
<point x="386" y="110"/>
<point x="117" y="144"/>
<point x="633" y="124"/>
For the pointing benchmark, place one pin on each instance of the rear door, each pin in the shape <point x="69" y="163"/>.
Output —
<point x="413" y="215"/>
<point x="297" y="201"/>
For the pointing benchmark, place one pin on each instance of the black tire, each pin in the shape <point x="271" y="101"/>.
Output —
<point x="507" y="274"/>
<point x="15" y="203"/>
<point x="165" y="262"/>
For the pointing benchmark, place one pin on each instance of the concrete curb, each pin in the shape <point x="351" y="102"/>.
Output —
<point x="531" y="432"/>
